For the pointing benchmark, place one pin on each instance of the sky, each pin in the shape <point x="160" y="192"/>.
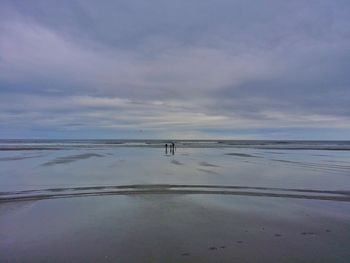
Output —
<point x="184" y="69"/>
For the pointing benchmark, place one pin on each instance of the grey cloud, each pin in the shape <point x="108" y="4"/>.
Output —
<point x="318" y="84"/>
<point x="186" y="64"/>
<point x="132" y="23"/>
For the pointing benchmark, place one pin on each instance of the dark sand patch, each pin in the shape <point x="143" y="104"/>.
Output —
<point x="207" y="171"/>
<point x="71" y="158"/>
<point x="242" y="155"/>
<point x="273" y="152"/>
<point x="307" y="233"/>
<point x="176" y="162"/>
<point x="17" y="158"/>
<point x="208" y="164"/>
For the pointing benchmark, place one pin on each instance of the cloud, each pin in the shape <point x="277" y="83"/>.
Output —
<point x="179" y="67"/>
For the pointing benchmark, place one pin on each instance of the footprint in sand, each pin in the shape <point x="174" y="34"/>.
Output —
<point x="307" y="233"/>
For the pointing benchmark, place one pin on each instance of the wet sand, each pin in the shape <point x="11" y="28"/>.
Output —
<point x="200" y="205"/>
<point x="175" y="228"/>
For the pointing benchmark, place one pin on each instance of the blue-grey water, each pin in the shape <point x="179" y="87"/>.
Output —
<point x="208" y="201"/>
<point x="261" y="144"/>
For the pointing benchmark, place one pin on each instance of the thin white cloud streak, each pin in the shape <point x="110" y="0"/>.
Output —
<point x="85" y="112"/>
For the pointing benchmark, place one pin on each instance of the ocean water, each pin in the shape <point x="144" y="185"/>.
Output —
<point x="261" y="144"/>
<point x="208" y="201"/>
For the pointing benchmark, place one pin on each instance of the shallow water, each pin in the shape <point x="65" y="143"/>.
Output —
<point x="289" y="169"/>
<point x="202" y="204"/>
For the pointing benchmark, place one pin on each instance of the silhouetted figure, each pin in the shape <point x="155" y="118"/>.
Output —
<point x="172" y="148"/>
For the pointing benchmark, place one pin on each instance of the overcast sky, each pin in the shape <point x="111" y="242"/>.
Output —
<point x="237" y="69"/>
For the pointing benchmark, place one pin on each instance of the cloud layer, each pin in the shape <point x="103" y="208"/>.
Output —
<point x="232" y="69"/>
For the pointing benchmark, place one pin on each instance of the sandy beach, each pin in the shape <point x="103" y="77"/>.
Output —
<point x="202" y="204"/>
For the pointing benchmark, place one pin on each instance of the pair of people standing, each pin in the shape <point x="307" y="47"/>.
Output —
<point x="171" y="148"/>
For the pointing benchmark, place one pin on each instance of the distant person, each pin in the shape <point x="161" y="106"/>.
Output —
<point x="172" y="149"/>
<point x="166" y="148"/>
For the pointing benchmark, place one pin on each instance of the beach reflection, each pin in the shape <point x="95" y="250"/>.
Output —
<point x="195" y="205"/>
<point x="208" y="166"/>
